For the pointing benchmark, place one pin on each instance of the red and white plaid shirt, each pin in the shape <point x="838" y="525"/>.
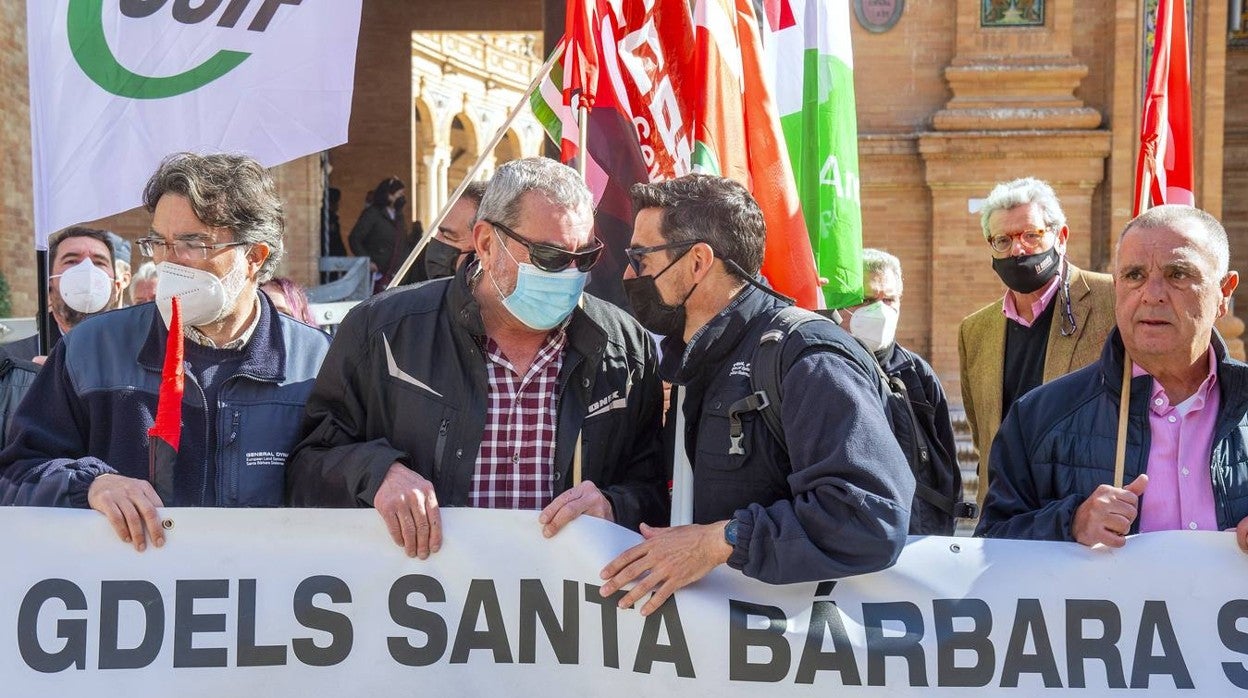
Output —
<point x="516" y="462"/>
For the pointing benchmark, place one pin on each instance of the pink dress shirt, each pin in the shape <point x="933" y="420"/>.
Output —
<point x="1180" y="488"/>
<point x="1010" y="309"/>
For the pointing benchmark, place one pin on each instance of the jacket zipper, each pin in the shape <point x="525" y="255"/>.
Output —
<point x="437" y="450"/>
<point x="234" y="472"/>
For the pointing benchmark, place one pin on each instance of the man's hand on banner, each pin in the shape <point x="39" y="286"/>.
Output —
<point x="669" y="559"/>
<point x="130" y="505"/>
<point x="585" y="498"/>
<point x="1106" y="516"/>
<point x="409" y="506"/>
<point x="1241" y="534"/>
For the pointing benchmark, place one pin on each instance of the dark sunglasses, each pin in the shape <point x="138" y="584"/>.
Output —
<point x="637" y="254"/>
<point x="550" y="258"/>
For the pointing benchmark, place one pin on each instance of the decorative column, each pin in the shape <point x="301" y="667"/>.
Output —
<point x="1013" y="114"/>
<point x="435" y="179"/>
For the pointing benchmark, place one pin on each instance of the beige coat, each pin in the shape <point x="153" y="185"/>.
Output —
<point x="981" y="353"/>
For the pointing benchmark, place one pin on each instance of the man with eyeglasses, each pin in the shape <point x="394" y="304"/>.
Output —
<point x="504" y="386"/>
<point x="81" y="437"/>
<point x="830" y="500"/>
<point x="1053" y="319"/>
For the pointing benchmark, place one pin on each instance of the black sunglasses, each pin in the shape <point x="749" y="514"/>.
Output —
<point x="637" y="254"/>
<point x="550" y="258"/>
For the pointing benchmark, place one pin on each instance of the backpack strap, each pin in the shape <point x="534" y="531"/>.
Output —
<point x="767" y="374"/>
<point x="921" y="456"/>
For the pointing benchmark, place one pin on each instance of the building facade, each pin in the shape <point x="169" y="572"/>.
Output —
<point x="953" y="96"/>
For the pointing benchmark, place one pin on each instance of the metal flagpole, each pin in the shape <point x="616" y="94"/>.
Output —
<point x="472" y="173"/>
<point x="42" y="320"/>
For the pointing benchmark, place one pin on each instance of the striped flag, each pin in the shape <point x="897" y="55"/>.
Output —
<point x="640" y="129"/>
<point x="810" y="61"/>
<point x="1165" y="170"/>
<point x="737" y="134"/>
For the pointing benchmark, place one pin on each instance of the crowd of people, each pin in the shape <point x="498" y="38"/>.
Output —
<point x="817" y="443"/>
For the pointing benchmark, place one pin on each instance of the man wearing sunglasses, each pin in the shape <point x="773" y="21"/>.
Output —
<point x="473" y="390"/>
<point x="1053" y="319"/>
<point x="832" y="499"/>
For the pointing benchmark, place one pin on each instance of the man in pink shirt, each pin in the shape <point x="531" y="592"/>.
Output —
<point x="1187" y="439"/>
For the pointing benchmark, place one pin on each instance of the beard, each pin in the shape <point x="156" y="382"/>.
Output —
<point x="71" y="318"/>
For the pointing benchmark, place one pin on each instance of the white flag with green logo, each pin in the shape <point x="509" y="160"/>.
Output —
<point x="811" y="64"/>
<point x="116" y="85"/>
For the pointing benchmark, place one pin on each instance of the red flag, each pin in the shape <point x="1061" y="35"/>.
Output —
<point x="580" y="71"/>
<point x="641" y="127"/>
<point x="737" y="134"/>
<point x="1165" y="168"/>
<point x="165" y="434"/>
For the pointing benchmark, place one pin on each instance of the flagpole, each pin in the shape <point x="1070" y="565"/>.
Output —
<point x="42" y="321"/>
<point x="486" y="152"/>
<point x="582" y="136"/>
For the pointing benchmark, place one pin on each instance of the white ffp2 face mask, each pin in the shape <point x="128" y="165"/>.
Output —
<point x="875" y="325"/>
<point x="205" y="299"/>
<point x="85" y="287"/>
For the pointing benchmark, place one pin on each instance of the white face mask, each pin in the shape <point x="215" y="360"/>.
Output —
<point x="875" y="325"/>
<point x="85" y="287"/>
<point x="205" y="299"/>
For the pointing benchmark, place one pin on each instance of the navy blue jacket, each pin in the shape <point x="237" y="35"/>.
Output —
<point x="1057" y="445"/>
<point x="837" y="503"/>
<point x="91" y="405"/>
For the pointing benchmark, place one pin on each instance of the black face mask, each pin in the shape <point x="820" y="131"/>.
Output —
<point x="648" y="306"/>
<point x="441" y="259"/>
<point x="400" y="202"/>
<point x="1030" y="272"/>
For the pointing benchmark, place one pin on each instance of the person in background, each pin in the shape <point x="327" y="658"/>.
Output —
<point x="452" y="243"/>
<point x="1053" y="318"/>
<point x="289" y="297"/>
<point x="121" y="264"/>
<point x="381" y="233"/>
<point x="874" y="323"/>
<point x="83" y="283"/>
<point x="143" y="285"/>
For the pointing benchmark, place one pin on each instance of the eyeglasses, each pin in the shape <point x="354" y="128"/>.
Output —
<point x="638" y="254"/>
<point x="182" y="249"/>
<point x="1031" y="239"/>
<point x="550" y="258"/>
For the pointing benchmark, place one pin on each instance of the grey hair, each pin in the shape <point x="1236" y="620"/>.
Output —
<point x="1021" y="192"/>
<point x="876" y="261"/>
<point x="225" y="190"/>
<point x="1181" y="217"/>
<point x="145" y="272"/>
<point x="558" y="183"/>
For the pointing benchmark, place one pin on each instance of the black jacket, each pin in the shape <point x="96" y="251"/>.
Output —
<point x="837" y="503"/>
<point x="1057" y="445"/>
<point x="381" y="239"/>
<point x="405" y="380"/>
<point x="931" y="410"/>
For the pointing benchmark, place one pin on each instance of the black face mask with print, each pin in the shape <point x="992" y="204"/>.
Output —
<point x="1030" y="272"/>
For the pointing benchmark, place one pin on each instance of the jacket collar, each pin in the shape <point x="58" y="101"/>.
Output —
<point x="716" y="339"/>
<point x="1232" y="374"/>
<point x="264" y="356"/>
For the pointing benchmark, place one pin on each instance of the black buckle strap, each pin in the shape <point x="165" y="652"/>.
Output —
<point x="736" y="432"/>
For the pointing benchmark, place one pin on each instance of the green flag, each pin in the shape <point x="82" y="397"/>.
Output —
<point x="811" y="64"/>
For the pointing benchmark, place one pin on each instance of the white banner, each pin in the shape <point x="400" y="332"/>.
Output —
<point x="320" y="602"/>
<point x="116" y="85"/>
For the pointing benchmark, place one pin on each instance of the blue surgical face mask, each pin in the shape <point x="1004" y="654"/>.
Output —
<point x="542" y="299"/>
